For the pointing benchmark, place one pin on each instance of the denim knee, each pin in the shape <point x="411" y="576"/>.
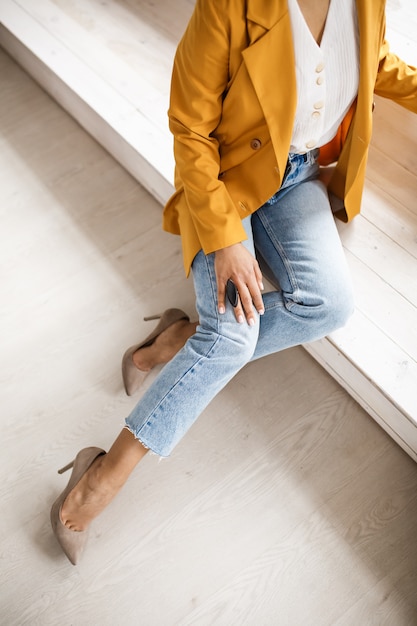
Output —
<point x="344" y="307"/>
<point x="327" y="310"/>
<point x="338" y="306"/>
<point x="186" y="384"/>
<point x="231" y="342"/>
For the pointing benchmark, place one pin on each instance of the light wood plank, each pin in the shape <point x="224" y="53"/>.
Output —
<point x="118" y="125"/>
<point x="386" y="258"/>
<point x="113" y="48"/>
<point x="390" y="216"/>
<point x="383" y="306"/>
<point x="395" y="131"/>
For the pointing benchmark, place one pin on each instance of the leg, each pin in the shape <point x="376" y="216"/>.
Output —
<point x="209" y="359"/>
<point x="184" y="387"/>
<point x="165" y="346"/>
<point x="103" y="480"/>
<point x="296" y="238"/>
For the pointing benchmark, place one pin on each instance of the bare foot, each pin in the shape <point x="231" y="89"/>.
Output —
<point x="102" y="481"/>
<point x="89" y="497"/>
<point x="165" y="346"/>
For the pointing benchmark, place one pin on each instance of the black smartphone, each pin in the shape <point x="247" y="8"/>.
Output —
<point x="232" y="293"/>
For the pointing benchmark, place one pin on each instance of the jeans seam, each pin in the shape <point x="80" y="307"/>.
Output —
<point x="210" y="268"/>
<point x="175" y="385"/>
<point x="213" y="281"/>
<point x="280" y="250"/>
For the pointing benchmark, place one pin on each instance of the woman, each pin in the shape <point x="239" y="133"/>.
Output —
<point x="263" y="93"/>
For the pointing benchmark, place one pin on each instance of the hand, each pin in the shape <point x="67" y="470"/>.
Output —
<point x="238" y="264"/>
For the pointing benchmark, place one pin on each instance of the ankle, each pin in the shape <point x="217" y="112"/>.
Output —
<point x="105" y="477"/>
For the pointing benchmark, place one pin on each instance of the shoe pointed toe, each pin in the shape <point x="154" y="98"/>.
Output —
<point x="72" y="542"/>
<point x="133" y="378"/>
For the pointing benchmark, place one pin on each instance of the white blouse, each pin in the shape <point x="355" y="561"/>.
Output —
<point x="327" y="74"/>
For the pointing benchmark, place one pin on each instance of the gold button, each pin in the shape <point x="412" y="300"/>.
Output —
<point x="255" y="144"/>
<point x="320" y="67"/>
<point x="320" y="80"/>
<point x="316" y="114"/>
<point x="319" y="104"/>
<point x="310" y="144"/>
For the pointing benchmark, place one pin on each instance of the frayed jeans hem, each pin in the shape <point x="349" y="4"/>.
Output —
<point x="142" y="443"/>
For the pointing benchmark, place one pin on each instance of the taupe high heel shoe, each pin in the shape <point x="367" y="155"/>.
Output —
<point x="132" y="376"/>
<point x="72" y="542"/>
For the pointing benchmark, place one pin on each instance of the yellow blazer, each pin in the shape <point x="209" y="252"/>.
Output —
<point x="232" y="107"/>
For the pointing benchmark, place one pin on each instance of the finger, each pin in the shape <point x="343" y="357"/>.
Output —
<point x="256" y="294"/>
<point x="221" y="294"/>
<point x="257" y="301"/>
<point x="247" y="304"/>
<point x="239" y="314"/>
<point x="259" y="277"/>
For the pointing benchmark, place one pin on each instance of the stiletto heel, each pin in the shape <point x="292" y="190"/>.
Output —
<point x="133" y="378"/>
<point x="150" y="318"/>
<point x="66" y="468"/>
<point x="72" y="542"/>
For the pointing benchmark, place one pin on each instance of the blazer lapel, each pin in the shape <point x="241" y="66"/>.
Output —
<point x="265" y="13"/>
<point x="270" y="63"/>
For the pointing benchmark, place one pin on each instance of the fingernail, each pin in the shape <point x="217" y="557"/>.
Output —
<point x="222" y="310"/>
<point x="240" y="319"/>
<point x="262" y="286"/>
<point x="261" y="311"/>
<point x="251" y="322"/>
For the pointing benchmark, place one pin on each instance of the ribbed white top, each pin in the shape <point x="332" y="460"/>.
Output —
<point x="327" y="74"/>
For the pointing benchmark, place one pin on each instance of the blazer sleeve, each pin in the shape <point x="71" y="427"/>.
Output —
<point x="396" y="80"/>
<point x="199" y="80"/>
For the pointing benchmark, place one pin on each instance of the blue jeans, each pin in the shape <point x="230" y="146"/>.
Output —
<point x="297" y="245"/>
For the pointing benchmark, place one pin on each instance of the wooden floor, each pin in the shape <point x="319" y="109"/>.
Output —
<point x="284" y="505"/>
